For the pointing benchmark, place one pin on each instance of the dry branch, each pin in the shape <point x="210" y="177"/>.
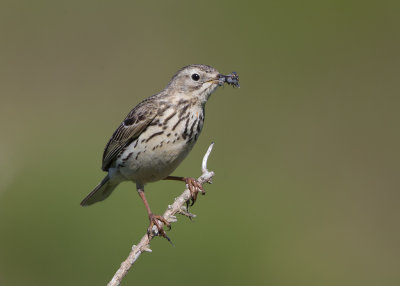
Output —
<point x="177" y="207"/>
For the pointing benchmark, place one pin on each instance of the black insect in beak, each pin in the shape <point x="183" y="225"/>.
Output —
<point x="232" y="79"/>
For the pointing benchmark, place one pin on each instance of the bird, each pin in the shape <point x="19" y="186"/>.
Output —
<point x="157" y="135"/>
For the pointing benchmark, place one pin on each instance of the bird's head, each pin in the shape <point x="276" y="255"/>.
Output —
<point x="197" y="81"/>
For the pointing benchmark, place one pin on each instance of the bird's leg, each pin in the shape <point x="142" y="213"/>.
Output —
<point x="194" y="186"/>
<point x="154" y="219"/>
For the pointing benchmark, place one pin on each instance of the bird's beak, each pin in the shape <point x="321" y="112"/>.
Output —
<point x="219" y="79"/>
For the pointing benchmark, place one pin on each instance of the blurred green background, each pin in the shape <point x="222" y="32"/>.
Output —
<point x="306" y="151"/>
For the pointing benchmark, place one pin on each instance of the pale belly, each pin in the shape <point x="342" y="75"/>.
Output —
<point x="154" y="160"/>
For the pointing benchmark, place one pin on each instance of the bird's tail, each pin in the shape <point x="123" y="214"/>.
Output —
<point x="100" y="192"/>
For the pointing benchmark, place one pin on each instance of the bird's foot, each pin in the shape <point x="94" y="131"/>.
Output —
<point x="194" y="187"/>
<point x="157" y="221"/>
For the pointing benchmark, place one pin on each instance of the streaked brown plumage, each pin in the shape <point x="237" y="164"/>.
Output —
<point x="157" y="135"/>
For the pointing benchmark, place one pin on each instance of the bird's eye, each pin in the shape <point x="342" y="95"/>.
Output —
<point x="195" y="77"/>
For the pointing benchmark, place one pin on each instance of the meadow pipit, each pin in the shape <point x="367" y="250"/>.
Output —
<point x="157" y="135"/>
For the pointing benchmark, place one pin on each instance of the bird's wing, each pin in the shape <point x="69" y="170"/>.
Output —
<point x="133" y="125"/>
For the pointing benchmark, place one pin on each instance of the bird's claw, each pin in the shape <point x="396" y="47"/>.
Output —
<point x="194" y="187"/>
<point x="155" y="221"/>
